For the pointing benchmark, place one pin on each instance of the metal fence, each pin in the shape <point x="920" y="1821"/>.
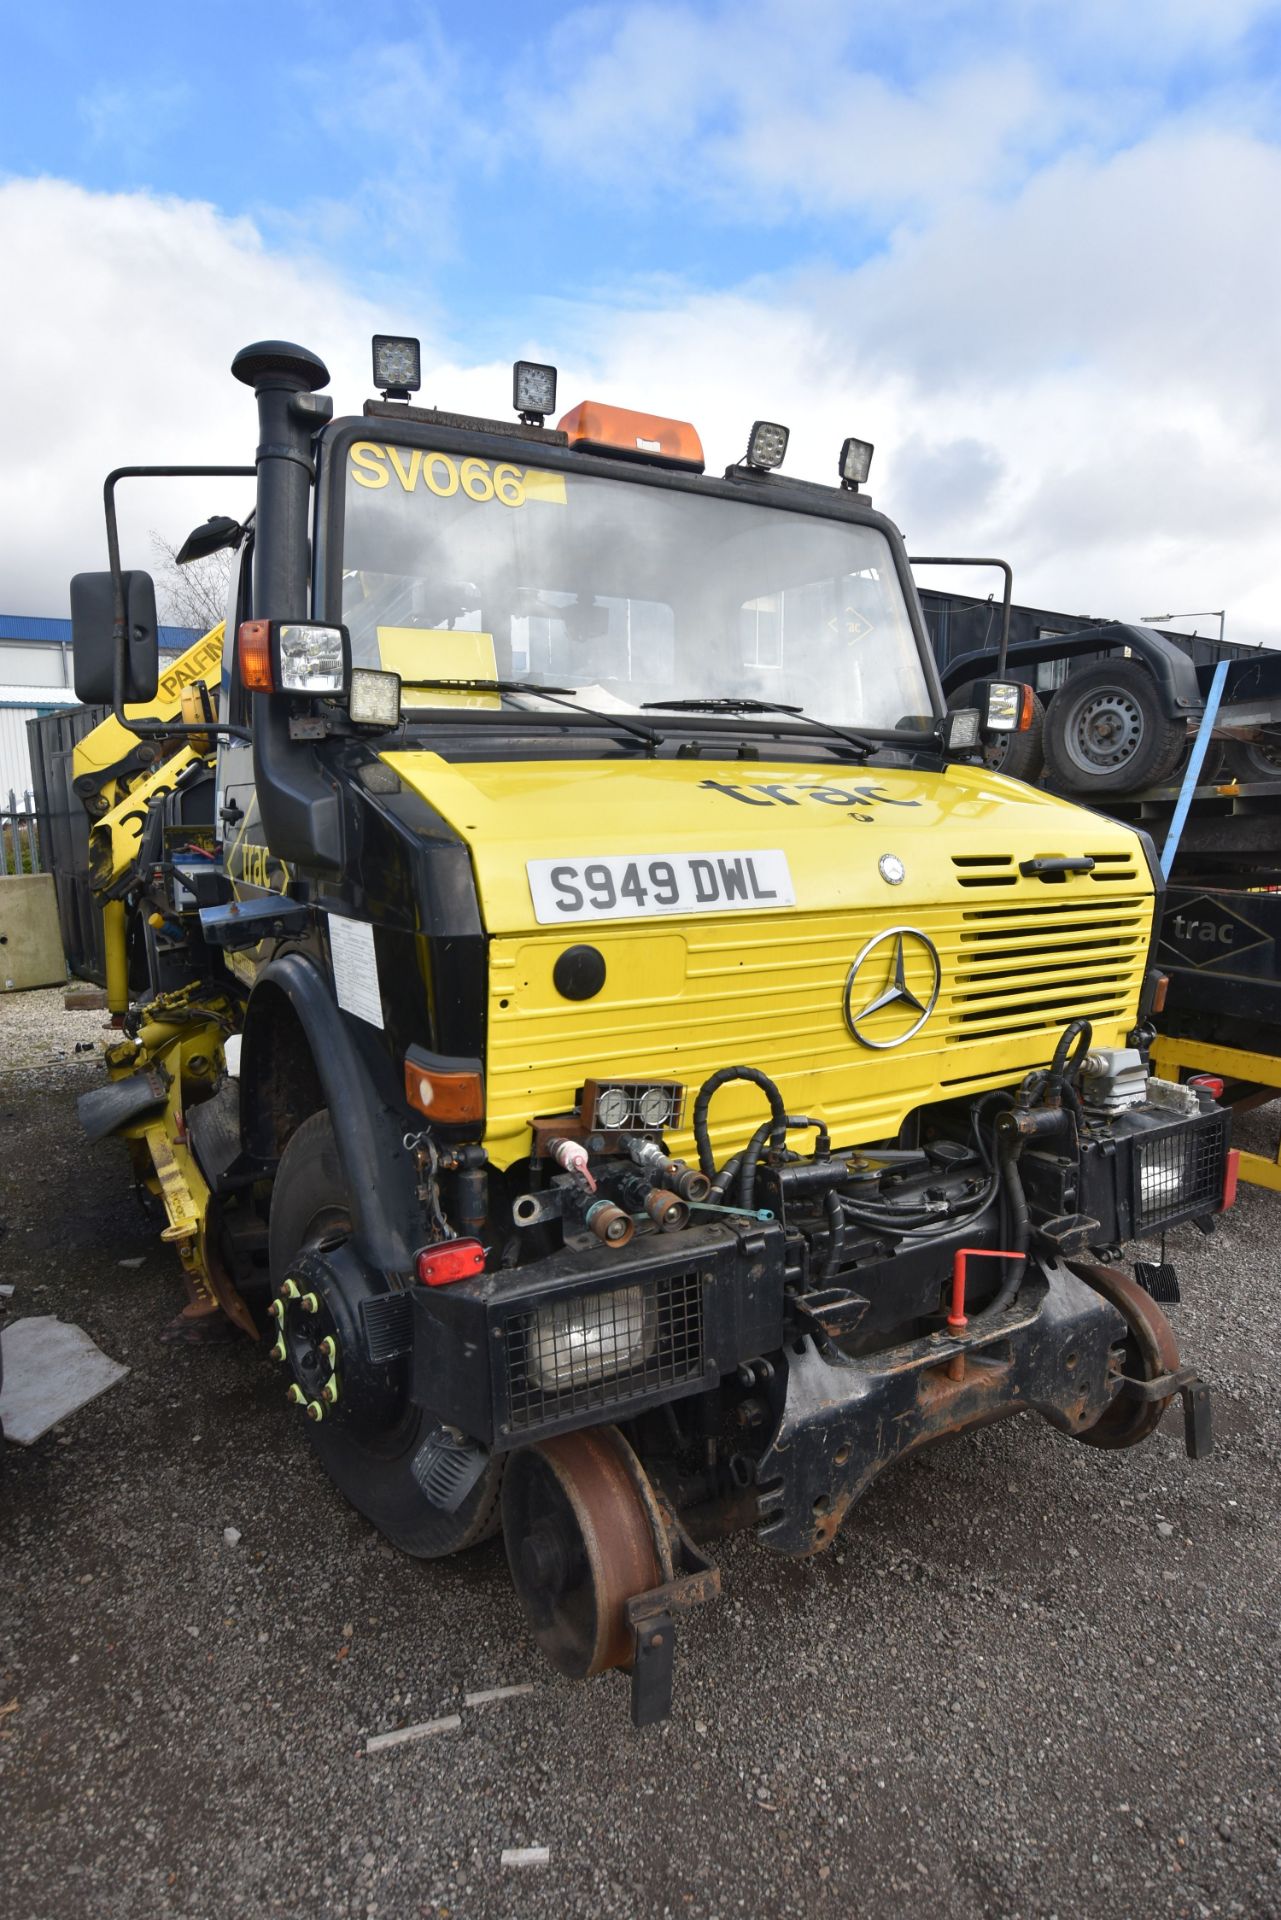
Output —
<point x="19" y="836"/>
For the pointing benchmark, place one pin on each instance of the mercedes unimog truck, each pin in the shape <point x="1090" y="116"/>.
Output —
<point x="585" y="1005"/>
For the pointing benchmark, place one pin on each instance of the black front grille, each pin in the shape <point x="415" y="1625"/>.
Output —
<point x="603" y="1349"/>
<point x="1179" y="1173"/>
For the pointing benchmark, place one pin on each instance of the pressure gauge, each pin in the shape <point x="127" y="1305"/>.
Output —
<point x="655" y="1105"/>
<point x="611" y="1109"/>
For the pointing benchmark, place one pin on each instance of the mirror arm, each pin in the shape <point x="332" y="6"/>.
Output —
<point x="120" y="621"/>
<point x="933" y="560"/>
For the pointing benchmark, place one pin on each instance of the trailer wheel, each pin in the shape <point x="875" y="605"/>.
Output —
<point x="1253" y="761"/>
<point x="1020" y="755"/>
<point x="310" y="1209"/>
<point x="1107" y="732"/>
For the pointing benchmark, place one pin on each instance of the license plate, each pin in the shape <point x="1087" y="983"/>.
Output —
<point x="631" y="887"/>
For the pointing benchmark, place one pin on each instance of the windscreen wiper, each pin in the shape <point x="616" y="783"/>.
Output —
<point x="560" y="696"/>
<point x="744" y="703"/>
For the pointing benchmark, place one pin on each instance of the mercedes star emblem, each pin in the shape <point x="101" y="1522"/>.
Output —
<point x="897" y="945"/>
<point x="892" y="869"/>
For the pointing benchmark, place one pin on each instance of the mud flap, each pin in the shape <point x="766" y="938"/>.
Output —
<point x="106" y="1109"/>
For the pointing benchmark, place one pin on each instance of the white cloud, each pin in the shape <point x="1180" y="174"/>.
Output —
<point x="1082" y="376"/>
<point x="118" y="353"/>
<point x="765" y="108"/>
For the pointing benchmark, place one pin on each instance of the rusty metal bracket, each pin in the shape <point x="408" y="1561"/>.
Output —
<point x="1198" y="1423"/>
<point x="695" y="1579"/>
<point x="1162" y="1387"/>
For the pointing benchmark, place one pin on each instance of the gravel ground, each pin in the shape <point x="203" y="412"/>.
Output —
<point x="1033" y="1679"/>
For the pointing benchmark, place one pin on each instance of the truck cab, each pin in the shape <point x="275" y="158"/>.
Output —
<point x="676" y="1077"/>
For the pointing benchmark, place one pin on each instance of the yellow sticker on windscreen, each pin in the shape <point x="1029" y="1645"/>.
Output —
<point x="446" y="475"/>
<point x="420" y="654"/>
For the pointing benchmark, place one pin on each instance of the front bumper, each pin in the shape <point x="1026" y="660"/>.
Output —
<point x="840" y="1421"/>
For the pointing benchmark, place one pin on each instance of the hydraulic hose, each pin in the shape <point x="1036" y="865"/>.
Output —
<point x="711" y="1086"/>
<point x="1018" y="1233"/>
<point x="836" y="1232"/>
<point x="752" y="1152"/>
<point x="1082" y="1032"/>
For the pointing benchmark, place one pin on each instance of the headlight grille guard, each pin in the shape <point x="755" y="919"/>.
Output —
<point x="530" y="1352"/>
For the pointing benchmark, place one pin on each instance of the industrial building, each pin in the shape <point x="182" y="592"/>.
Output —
<point x="36" y="677"/>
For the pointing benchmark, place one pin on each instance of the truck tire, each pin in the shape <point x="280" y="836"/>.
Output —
<point x="1107" y="731"/>
<point x="1253" y="761"/>
<point x="1020" y="755"/>
<point x="310" y="1208"/>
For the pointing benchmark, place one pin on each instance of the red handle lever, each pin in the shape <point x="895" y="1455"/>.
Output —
<point x="956" y="1319"/>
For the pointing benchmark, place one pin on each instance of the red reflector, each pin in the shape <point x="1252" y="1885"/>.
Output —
<point x="1207" y="1083"/>
<point x="452" y="1260"/>
<point x="1230" y="1179"/>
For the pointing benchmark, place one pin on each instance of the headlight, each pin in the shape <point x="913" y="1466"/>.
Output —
<point x="580" y="1341"/>
<point x="1162" y="1178"/>
<point x="312" y="659"/>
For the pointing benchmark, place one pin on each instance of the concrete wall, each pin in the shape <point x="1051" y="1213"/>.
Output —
<point x="30" y="944"/>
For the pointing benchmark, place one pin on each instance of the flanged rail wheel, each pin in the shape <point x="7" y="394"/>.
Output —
<point x="582" y="1539"/>
<point x="1151" y="1352"/>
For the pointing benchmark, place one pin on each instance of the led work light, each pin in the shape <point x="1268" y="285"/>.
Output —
<point x="373" y="698"/>
<point x="533" y="391"/>
<point x="397" y="366"/>
<point x="961" y="729"/>
<point x="856" y="463"/>
<point x="766" y="445"/>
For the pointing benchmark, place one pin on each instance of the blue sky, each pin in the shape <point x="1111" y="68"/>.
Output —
<point x="474" y="162"/>
<point x="1027" y="247"/>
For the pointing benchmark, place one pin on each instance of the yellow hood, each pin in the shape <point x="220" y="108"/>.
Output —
<point x="770" y="985"/>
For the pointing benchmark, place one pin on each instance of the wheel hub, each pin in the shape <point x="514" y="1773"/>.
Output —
<point x="321" y="1343"/>
<point x="1107" y="731"/>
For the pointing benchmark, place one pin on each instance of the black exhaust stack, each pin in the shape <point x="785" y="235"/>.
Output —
<point x="297" y="805"/>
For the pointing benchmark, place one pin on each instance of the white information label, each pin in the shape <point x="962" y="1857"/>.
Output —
<point x="635" y="886"/>
<point x="351" y="945"/>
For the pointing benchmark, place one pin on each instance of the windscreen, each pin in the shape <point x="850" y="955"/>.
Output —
<point x="456" y="567"/>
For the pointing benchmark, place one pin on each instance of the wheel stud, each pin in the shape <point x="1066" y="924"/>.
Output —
<point x="289" y="1291"/>
<point x="329" y="1347"/>
<point x="329" y="1392"/>
<point x="277" y="1310"/>
<point x="314" y="1410"/>
<point x="295" y="1395"/>
<point x="278" y="1350"/>
<point x="309" y="1303"/>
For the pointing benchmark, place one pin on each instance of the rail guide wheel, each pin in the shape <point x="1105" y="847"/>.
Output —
<point x="1152" y="1373"/>
<point x="600" y="1563"/>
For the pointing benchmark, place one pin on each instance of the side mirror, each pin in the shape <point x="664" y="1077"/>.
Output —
<point x="93" y="650"/>
<point x="216" y="534"/>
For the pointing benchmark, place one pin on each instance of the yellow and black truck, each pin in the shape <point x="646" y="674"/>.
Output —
<point x="584" y="1002"/>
